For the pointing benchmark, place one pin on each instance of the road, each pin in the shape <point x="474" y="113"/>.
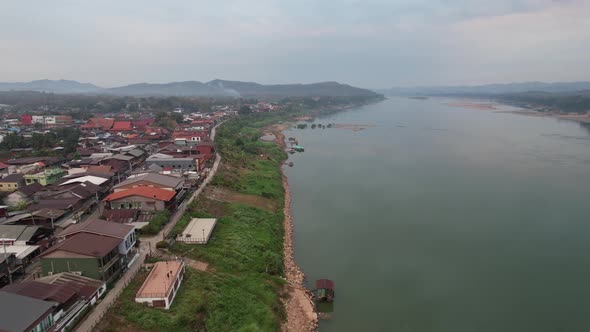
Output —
<point x="146" y="244"/>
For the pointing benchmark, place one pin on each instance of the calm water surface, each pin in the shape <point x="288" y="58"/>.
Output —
<point x="446" y="219"/>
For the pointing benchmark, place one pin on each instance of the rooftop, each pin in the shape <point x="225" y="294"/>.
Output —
<point x="12" y="178"/>
<point x="143" y="191"/>
<point x="96" y="180"/>
<point x="160" y="280"/>
<point x="42" y="291"/>
<point x="86" y="244"/>
<point x="164" y="180"/>
<point x="20" y="312"/>
<point x="17" y="232"/>
<point x="99" y="227"/>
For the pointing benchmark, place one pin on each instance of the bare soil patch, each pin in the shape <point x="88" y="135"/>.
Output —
<point x="225" y="195"/>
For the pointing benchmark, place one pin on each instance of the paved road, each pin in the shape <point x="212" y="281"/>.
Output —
<point x="101" y="308"/>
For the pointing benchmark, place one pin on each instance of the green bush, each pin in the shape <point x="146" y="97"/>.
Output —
<point x="156" y="223"/>
<point x="162" y="245"/>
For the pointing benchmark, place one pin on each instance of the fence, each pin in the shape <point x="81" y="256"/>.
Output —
<point x="101" y="309"/>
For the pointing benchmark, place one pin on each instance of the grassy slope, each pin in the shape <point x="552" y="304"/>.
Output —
<point x="245" y="254"/>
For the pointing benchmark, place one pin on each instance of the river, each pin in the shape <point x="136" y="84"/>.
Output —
<point x="445" y="219"/>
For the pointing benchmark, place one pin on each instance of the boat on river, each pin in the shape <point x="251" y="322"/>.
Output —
<point x="298" y="148"/>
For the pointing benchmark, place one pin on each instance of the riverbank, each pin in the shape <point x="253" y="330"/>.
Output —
<point x="493" y="106"/>
<point x="298" y="301"/>
<point x="299" y="304"/>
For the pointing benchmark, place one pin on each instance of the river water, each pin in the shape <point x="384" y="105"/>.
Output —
<point x="445" y="219"/>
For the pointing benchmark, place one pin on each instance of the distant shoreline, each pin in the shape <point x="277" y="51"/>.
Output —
<point x="491" y="106"/>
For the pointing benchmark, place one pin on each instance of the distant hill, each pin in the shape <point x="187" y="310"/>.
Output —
<point x="490" y="89"/>
<point x="215" y="88"/>
<point x="189" y="88"/>
<point x="59" y="86"/>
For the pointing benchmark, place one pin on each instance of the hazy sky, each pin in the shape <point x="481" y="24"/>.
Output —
<point x="368" y="43"/>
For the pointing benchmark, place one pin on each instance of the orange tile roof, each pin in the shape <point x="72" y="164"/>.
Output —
<point x="160" y="280"/>
<point x="143" y="191"/>
<point x="122" y="125"/>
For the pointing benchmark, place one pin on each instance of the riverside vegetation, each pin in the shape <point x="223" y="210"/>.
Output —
<point x="242" y="287"/>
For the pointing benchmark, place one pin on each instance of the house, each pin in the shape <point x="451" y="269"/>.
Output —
<point x="45" y="177"/>
<point x="122" y="216"/>
<point x="90" y="255"/>
<point x="175" y="164"/>
<point x="24" y="195"/>
<point x="22" y="235"/>
<point x="12" y="182"/>
<point x="161" y="286"/>
<point x="125" y="233"/>
<point x="72" y="294"/>
<point x="143" y="198"/>
<point x="7" y="267"/>
<point x="142" y="124"/>
<point x="97" y="124"/>
<point x="3" y="168"/>
<point x="204" y="148"/>
<point x="45" y="217"/>
<point x="23" y="313"/>
<point x="191" y="135"/>
<point x="122" y="126"/>
<point x="153" y="180"/>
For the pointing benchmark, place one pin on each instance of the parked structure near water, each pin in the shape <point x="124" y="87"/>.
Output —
<point x="161" y="286"/>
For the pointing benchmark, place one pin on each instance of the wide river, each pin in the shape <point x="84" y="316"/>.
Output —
<point x="445" y="219"/>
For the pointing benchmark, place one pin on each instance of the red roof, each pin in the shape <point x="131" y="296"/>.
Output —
<point x="122" y="125"/>
<point x="3" y="165"/>
<point x="101" y="123"/>
<point x="324" y="283"/>
<point x="143" y="191"/>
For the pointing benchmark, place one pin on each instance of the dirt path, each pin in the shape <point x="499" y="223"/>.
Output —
<point x="298" y="302"/>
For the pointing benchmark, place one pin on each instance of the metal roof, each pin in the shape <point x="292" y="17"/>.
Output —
<point x="17" y="232"/>
<point x="85" y="244"/>
<point x="143" y="191"/>
<point x="99" y="227"/>
<point x="20" y="312"/>
<point x="164" y="180"/>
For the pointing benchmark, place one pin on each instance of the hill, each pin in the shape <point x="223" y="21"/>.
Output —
<point x="215" y="88"/>
<point x="51" y="86"/>
<point x="491" y="89"/>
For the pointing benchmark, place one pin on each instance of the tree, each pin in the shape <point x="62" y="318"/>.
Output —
<point x="313" y="126"/>
<point x="245" y="110"/>
<point x="13" y="141"/>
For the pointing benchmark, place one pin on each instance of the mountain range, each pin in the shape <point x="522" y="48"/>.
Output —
<point x="215" y="88"/>
<point x="489" y="89"/>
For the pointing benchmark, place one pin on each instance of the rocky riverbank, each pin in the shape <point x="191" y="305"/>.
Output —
<point x="298" y="301"/>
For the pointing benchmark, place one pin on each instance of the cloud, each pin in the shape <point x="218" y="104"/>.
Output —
<point x="372" y="43"/>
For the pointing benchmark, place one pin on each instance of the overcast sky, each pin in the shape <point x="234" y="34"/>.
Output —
<point x="368" y="43"/>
